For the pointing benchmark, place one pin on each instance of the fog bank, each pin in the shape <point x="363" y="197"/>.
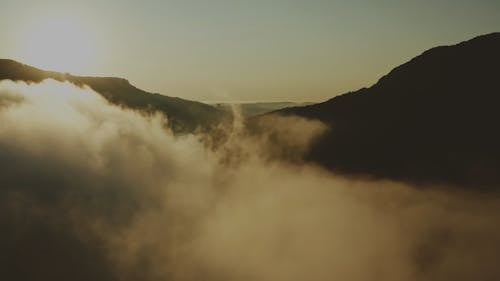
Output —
<point x="92" y="191"/>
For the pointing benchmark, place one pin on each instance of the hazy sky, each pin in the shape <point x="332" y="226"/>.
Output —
<point x="241" y="50"/>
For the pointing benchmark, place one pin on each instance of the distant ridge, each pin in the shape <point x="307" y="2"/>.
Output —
<point x="184" y="115"/>
<point x="250" y="109"/>
<point x="434" y="119"/>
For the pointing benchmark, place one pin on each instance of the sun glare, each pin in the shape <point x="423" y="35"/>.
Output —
<point x="61" y="44"/>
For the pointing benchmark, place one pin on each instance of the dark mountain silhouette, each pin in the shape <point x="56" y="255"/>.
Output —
<point x="184" y="115"/>
<point x="434" y="119"/>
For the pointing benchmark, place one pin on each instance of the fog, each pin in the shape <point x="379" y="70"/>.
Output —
<point x="92" y="191"/>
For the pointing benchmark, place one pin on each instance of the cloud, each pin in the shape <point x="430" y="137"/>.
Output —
<point x="91" y="191"/>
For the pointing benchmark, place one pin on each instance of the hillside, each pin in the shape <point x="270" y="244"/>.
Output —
<point x="433" y="119"/>
<point x="184" y="115"/>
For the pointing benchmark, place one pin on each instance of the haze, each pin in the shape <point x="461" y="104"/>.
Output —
<point x="238" y="50"/>
<point x="121" y="198"/>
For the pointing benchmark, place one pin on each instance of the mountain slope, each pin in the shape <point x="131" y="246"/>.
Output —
<point x="433" y="119"/>
<point x="184" y="115"/>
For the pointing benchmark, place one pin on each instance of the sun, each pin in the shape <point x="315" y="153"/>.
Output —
<point x="61" y="44"/>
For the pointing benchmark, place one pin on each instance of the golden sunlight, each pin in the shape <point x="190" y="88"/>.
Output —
<point x="61" y="44"/>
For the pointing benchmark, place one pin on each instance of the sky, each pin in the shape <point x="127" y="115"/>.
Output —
<point x="273" y="50"/>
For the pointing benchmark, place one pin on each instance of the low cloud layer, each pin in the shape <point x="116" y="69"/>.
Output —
<point x="91" y="191"/>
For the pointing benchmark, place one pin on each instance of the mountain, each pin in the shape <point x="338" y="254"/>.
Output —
<point x="434" y="119"/>
<point x="184" y="115"/>
<point x="250" y="109"/>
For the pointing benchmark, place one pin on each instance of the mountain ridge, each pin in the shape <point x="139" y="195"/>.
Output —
<point x="184" y="115"/>
<point x="432" y="119"/>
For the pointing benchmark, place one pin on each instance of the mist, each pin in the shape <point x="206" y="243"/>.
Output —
<point x="93" y="191"/>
